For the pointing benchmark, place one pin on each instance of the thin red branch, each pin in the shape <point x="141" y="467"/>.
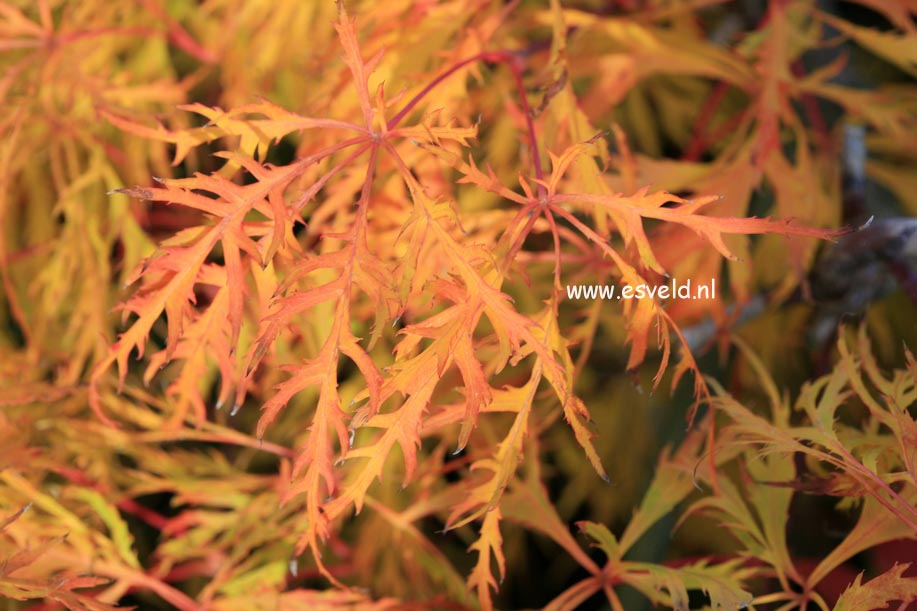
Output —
<point x="530" y="124"/>
<point x="178" y="35"/>
<point x="698" y="134"/>
<point x="492" y="56"/>
<point x="128" y="505"/>
<point x="512" y="60"/>
<point x="813" y="112"/>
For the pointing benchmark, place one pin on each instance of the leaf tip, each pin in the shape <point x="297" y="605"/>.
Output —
<point x="866" y="224"/>
<point x="138" y="192"/>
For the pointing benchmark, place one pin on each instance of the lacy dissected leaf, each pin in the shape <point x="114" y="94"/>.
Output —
<point x="169" y="278"/>
<point x="723" y="583"/>
<point x="208" y="334"/>
<point x="528" y="503"/>
<point x="503" y="464"/>
<point x="898" y="49"/>
<point x="645" y="205"/>
<point x="17" y="584"/>
<point x="858" y="472"/>
<point x="875" y="525"/>
<point x="672" y="483"/>
<point x="489" y="547"/>
<point x="61" y="592"/>
<point x="878" y="592"/>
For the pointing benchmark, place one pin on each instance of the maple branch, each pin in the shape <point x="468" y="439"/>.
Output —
<point x="512" y="60"/>
<point x="492" y="56"/>
<point x="530" y="124"/>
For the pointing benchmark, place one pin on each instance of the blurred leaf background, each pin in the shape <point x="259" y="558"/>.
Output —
<point x="747" y="100"/>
